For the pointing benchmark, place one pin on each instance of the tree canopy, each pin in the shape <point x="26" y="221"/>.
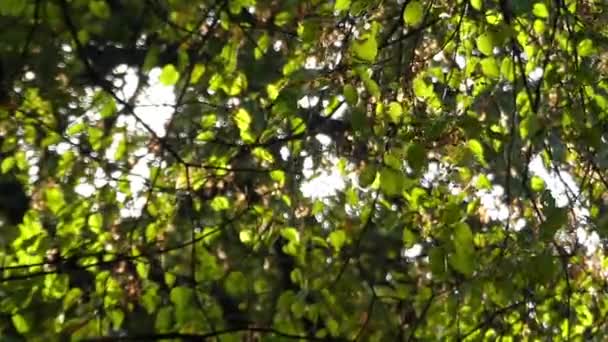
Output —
<point x="348" y="170"/>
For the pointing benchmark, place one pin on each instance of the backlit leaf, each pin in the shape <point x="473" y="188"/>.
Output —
<point x="485" y="44"/>
<point x="197" y="72"/>
<point x="478" y="151"/>
<point x="414" y="13"/>
<point x="337" y="239"/>
<point x="540" y="10"/>
<point x="20" y="323"/>
<point x="366" y="49"/>
<point x="395" y="111"/>
<point x="585" y="47"/>
<point x="169" y="75"/>
<point x="342" y="5"/>
<point x="220" y="203"/>
<point x="477" y="4"/>
<point x="489" y="67"/>
<point x="350" y="94"/>
<point x="537" y="183"/>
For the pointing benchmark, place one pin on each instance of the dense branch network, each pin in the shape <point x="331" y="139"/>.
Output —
<point x="433" y="113"/>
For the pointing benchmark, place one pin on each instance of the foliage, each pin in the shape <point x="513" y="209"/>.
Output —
<point x="155" y="156"/>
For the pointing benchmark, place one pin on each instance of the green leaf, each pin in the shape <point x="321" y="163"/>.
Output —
<point x="76" y="128"/>
<point x="542" y="268"/>
<point x="393" y="160"/>
<point x="298" y="308"/>
<point x="205" y="136"/>
<point x="96" y="136"/>
<point x="71" y="298"/>
<point x="278" y="176"/>
<point x="282" y="18"/>
<point x="181" y="297"/>
<point x="537" y="184"/>
<point x="367" y="175"/>
<point x="229" y="56"/>
<point x="333" y="327"/>
<point x="477" y="149"/>
<point x="151" y="59"/>
<point x="197" y="72"/>
<point x="372" y="87"/>
<point x="54" y="199"/>
<point x="12" y="7"/>
<point x="366" y="49"/>
<point x="235" y="6"/>
<point x="208" y="121"/>
<point x="539" y="26"/>
<point x="262" y="46"/>
<point x="483" y="182"/>
<point x="485" y="44"/>
<point x="416" y="157"/>
<point x="358" y="120"/>
<point x="245" y="236"/>
<point x="108" y="108"/>
<point x="489" y="67"/>
<point x="437" y="262"/>
<point x="464" y="250"/>
<point x="585" y="47"/>
<point x="409" y="238"/>
<point x="395" y="111"/>
<point x="163" y="322"/>
<point x="100" y="9"/>
<point x="242" y="119"/>
<point x="528" y="126"/>
<point x="416" y="196"/>
<point x="7" y="164"/>
<point x="291" y="234"/>
<point x="342" y="5"/>
<point x="413" y="14"/>
<point x="96" y="222"/>
<point x="540" y="10"/>
<point x="337" y="239"/>
<point x="220" y="203"/>
<point x="421" y="89"/>
<point x="263" y="154"/>
<point x="392" y="182"/>
<point x="298" y="125"/>
<point x="20" y="323"/>
<point x="117" y="317"/>
<point x="169" y="75"/>
<point x="350" y="94"/>
<point x="506" y="69"/>
<point x="477" y="4"/>
<point x="236" y="283"/>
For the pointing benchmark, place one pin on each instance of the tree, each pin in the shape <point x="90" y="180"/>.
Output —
<point x="158" y="158"/>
